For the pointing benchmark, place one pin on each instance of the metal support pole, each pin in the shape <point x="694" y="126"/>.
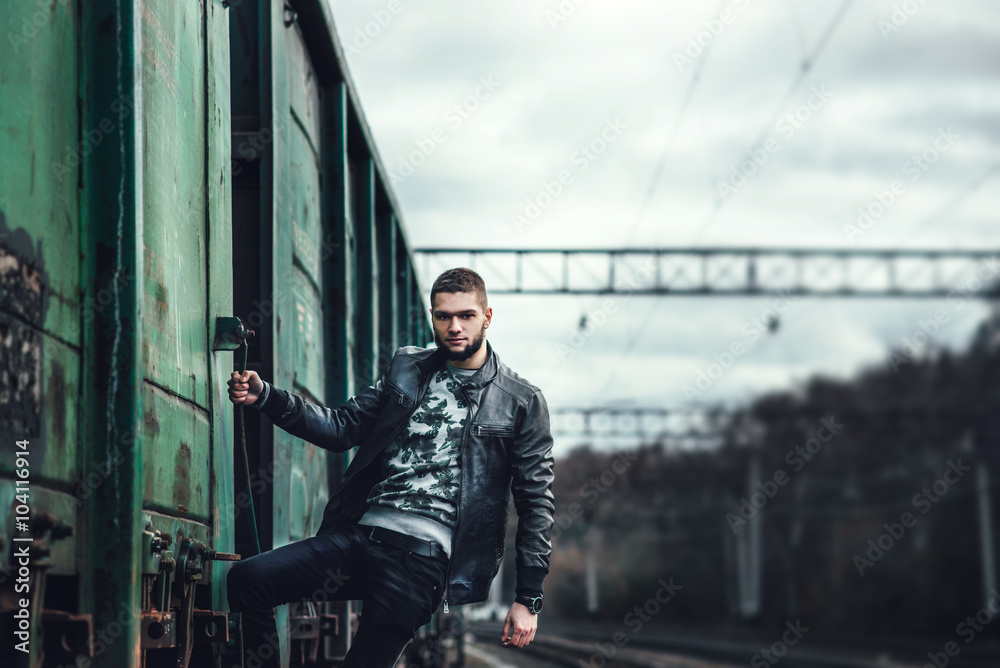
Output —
<point x="592" y="572"/>
<point x="987" y="554"/>
<point x="748" y="562"/>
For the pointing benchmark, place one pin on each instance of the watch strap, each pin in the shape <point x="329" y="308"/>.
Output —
<point x="533" y="604"/>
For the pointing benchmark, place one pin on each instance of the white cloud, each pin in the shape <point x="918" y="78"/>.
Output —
<point x="615" y="59"/>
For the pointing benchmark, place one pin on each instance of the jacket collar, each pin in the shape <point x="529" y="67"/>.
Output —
<point x="487" y="372"/>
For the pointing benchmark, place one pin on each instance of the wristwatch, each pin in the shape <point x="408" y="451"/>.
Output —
<point x="534" y="605"/>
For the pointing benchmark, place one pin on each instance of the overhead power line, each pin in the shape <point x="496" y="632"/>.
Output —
<point x="805" y="68"/>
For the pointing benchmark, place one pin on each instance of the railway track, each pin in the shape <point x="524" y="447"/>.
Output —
<point x="551" y="650"/>
<point x="592" y="645"/>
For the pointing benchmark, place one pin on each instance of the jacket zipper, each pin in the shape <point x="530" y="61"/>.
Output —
<point x="398" y="393"/>
<point x="461" y="486"/>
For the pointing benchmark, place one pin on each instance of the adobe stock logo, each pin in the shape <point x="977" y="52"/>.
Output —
<point x="32" y="23"/>
<point x="454" y="116"/>
<point x="788" y="125"/>
<point x="706" y="37"/>
<point x="901" y="14"/>
<point x="550" y="190"/>
<point x="752" y="329"/>
<point x="967" y="629"/>
<point x="924" y="501"/>
<point x="914" y="168"/>
<point x="779" y="648"/>
<point x="797" y="458"/>
<point x="635" y="620"/>
<point x="381" y="18"/>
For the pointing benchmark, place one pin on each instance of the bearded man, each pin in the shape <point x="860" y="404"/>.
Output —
<point x="445" y="438"/>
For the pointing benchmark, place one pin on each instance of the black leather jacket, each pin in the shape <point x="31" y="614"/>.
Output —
<point x="507" y="446"/>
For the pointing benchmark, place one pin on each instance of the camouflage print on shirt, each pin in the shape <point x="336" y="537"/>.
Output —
<point x="421" y="467"/>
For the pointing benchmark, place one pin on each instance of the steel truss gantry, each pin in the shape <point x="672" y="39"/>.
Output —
<point x="704" y="425"/>
<point x="841" y="272"/>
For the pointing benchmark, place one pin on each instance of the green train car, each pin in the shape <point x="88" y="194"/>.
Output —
<point x="167" y="165"/>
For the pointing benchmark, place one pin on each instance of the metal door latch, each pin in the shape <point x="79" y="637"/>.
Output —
<point x="230" y="333"/>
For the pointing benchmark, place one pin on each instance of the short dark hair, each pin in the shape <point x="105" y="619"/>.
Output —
<point x="460" y="279"/>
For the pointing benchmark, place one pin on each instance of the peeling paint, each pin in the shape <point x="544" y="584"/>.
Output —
<point x="182" y="476"/>
<point x="57" y="401"/>
<point x="152" y="423"/>
<point x="22" y="282"/>
<point x="23" y="303"/>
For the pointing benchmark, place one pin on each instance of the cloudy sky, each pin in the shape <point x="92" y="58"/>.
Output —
<point x="476" y="106"/>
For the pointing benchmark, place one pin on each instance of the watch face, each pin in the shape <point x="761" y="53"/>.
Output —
<point x="536" y="605"/>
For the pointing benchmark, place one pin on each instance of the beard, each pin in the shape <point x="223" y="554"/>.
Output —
<point x="470" y="350"/>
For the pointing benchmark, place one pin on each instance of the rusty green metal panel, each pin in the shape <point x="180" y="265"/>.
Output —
<point x="300" y="253"/>
<point x="414" y="314"/>
<point x="308" y="354"/>
<point x="404" y="281"/>
<point x="185" y="176"/>
<point x="300" y="181"/>
<point x="282" y="253"/>
<point x="42" y="151"/>
<point x="220" y="287"/>
<point x="359" y="189"/>
<point x="388" y="295"/>
<point x="63" y="507"/>
<point x="112" y="229"/>
<point x="402" y="287"/>
<point x="367" y="271"/>
<point x="302" y="87"/>
<point x="175" y="445"/>
<point x="188" y="429"/>
<point x="42" y="389"/>
<point x="348" y="288"/>
<point x="40" y="305"/>
<point x="415" y="317"/>
<point x="175" y="330"/>
<point x="173" y="526"/>
<point x="336" y="203"/>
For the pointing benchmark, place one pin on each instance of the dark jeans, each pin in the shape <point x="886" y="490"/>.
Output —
<point x="399" y="589"/>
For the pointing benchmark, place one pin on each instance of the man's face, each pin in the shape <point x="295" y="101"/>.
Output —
<point x="459" y="324"/>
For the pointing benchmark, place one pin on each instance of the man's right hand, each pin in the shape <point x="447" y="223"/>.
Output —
<point x="246" y="388"/>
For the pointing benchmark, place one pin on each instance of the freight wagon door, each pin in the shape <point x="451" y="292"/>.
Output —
<point x="301" y="343"/>
<point x="186" y="278"/>
<point x="106" y="124"/>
